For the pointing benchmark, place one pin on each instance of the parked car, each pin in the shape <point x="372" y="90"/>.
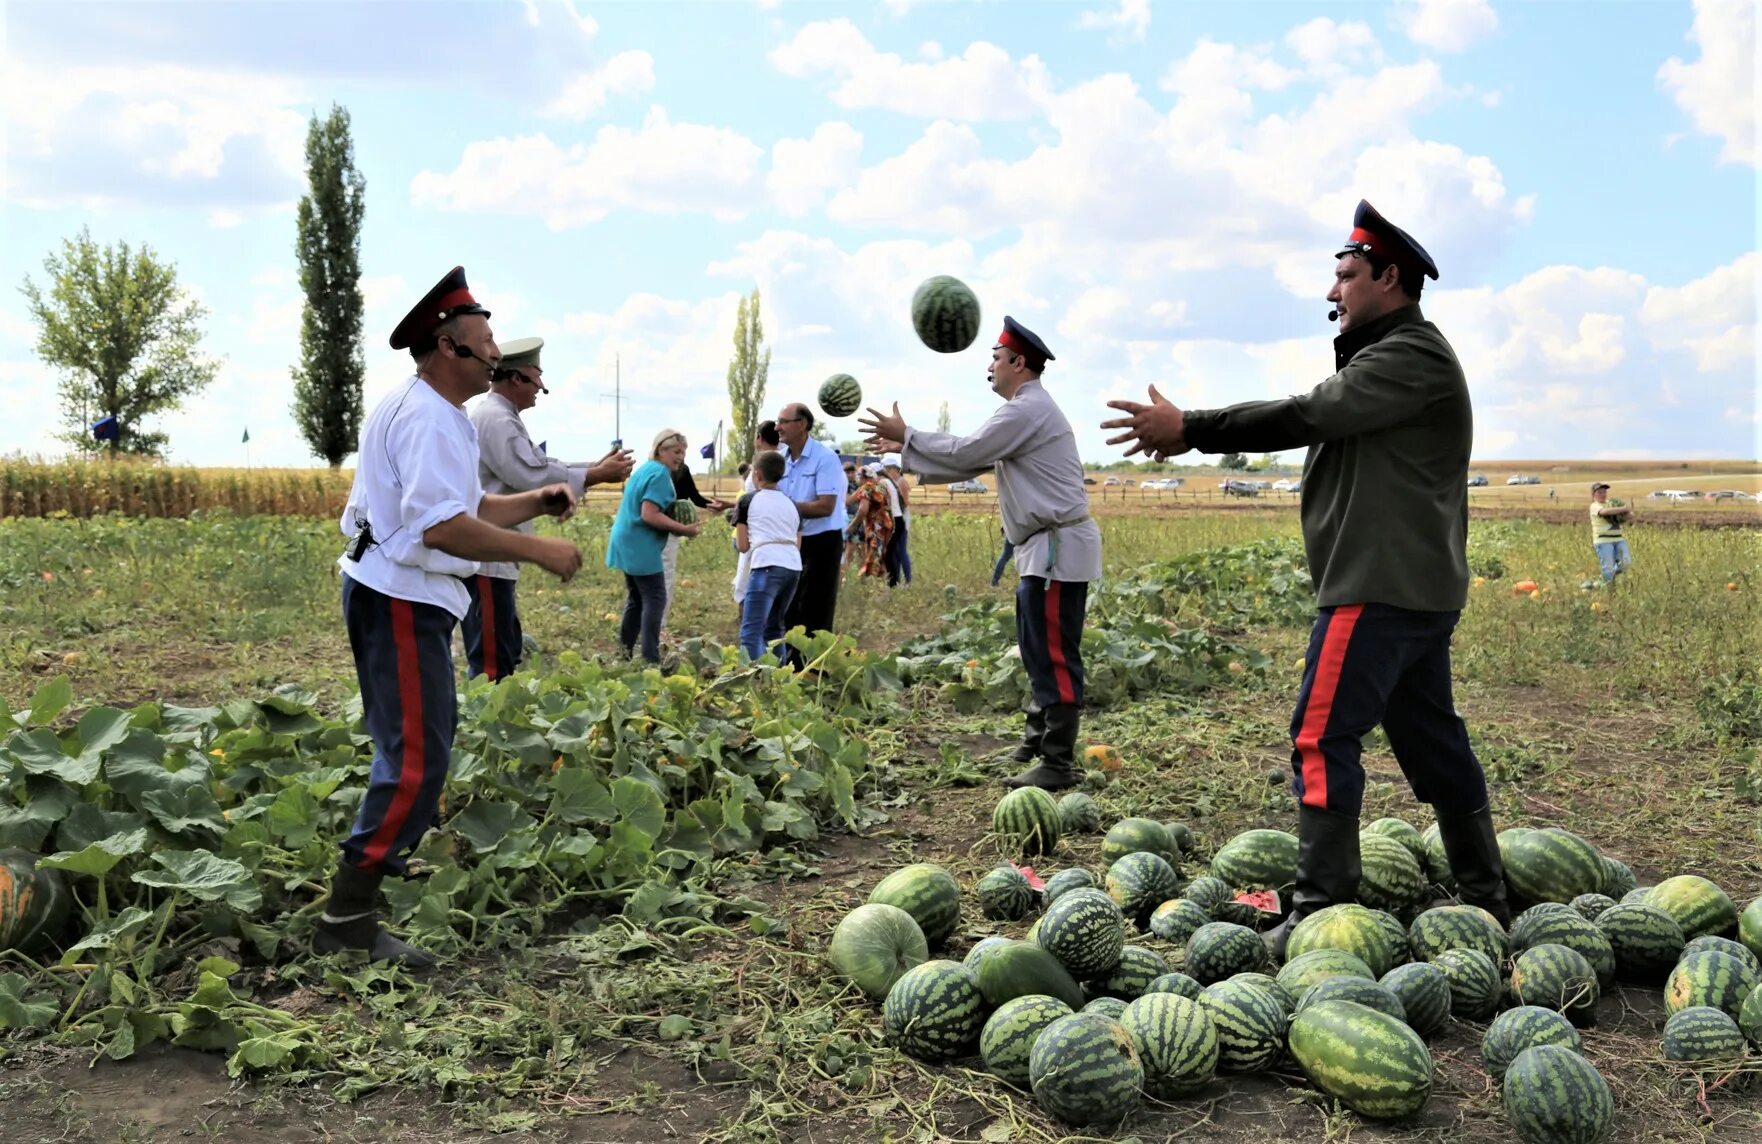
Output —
<point x="1477" y="481"/>
<point x="1727" y="494"/>
<point x="1090" y="481"/>
<point x="1233" y="488"/>
<point x="1111" y="482"/>
<point x="968" y="487"/>
<point x="1162" y="484"/>
<point x="1675" y="495"/>
<point x="1288" y="485"/>
<point x="1516" y="479"/>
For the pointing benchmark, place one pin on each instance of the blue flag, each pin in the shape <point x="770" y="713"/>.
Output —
<point x="708" y="452"/>
<point x="106" y="429"/>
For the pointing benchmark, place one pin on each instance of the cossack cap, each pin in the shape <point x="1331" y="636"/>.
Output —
<point x="449" y="298"/>
<point x="1024" y="341"/>
<point x="1374" y="234"/>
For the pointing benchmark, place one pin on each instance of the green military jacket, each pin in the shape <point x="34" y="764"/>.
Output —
<point x="1385" y="484"/>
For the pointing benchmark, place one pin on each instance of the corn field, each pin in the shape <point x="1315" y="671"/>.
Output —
<point x="145" y="488"/>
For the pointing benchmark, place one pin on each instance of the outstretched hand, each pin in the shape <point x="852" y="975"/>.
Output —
<point x="886" y="430"/>
<point x="1158" y="428"/>
<point x="614" y="466"/>
<point x="557" y="500"/>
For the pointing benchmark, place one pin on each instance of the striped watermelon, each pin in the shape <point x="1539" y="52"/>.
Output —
<point x="1590" y="906"/>
<point x="1137" y="835"/>
<point x="1749" y="927"/>
<point x="1424" y="992"/>
<point x="1111" y="1007"/>
<point x="1028" y="818"/>
<point x="1307" y="969"/>
<point x="1085" y="1070"/>
<point x="1358" y="991"/>
<point x="1176" y="1042"/>
<point x="1347" y="926"/>
<point x="1177" y="983"/>
<point x="981" y="950"/>
<point x="1635" y="896"/>
<point x="1131" y="978"/>
<point x="1556" y="977"/>
<point x="1456" y="927"/>
<point x="1085" y="930"/>
<point x="1400" y="952"/>
<point x="1702" y="1034"/>
<point x="1437" y="860"/>
<point x="1522" y="1028"/>
<point x="1141" y="881"/>
<point x="1618" y="879"/>
<point x="934" y="1012"/>
<point x="1023" y="969"/>
<point x="1072" y="879"/>
<point x="1222" y="949"/>
<point x="1239" y="913"/>
<point x="1645" y="940"/>
<point x="1403" y="832"/>
<point x="1474" y="982"/>
<point x="1568" y="927"/>
<point x="683" y="511"/>
<point x="928" y="893"/>
<point x="840" y="395"/>
<point x="1698" y="905"/>
<point x="1725" y="945"/>
<point x="1177" y="919"/>
<point x="1250" y="1025"/>
<point x="1709" y="977"/>
<point x="1257" y="860"/>
<point x="1078" y="814"/>
<point x="1008" y="1036"/>
<point x="1004" y="894"/>
<point x="1392" y="877"/>
<point x="1368" y="1061"/>
<point x="1181" y="835"/>
<point x="1750" y="1018"/>
<point x="1271" y="984"/>
<point x="874" y="946"/>
<point x="945" y="313"/>
<point x="1208" y="892"/>
<point x="1554" y="1096"/>
<point x="1553" y="865"/>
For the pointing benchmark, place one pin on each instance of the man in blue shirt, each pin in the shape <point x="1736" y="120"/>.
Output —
<point x="813" y="478"/>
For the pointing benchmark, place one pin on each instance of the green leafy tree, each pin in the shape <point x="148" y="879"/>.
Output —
<point x="333" y="366"/>
<point x="124" y="336"/>
<point x="748" y="371"/>
<point x="944" y="423"/>
<point x="1232" y="461"/>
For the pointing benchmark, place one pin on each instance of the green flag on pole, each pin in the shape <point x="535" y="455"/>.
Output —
<point x="247" y="437"/>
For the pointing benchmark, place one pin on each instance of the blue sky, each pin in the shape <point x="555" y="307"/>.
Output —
<point x="1156" y="188"/>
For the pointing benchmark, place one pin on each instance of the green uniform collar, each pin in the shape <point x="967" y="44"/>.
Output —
<point x="1347" y="345"/>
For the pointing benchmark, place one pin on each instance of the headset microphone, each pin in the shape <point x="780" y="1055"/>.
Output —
<point x="1333" y="315"/>
<point x="462" y="351"/>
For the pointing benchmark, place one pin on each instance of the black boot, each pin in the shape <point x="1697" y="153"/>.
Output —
<point x="1328" y="870"/>
<point x="1029" y="748"/>
<point x="1473" y="851"/>
<point x="1058" y="751"/>
<point x="349" y="922"/>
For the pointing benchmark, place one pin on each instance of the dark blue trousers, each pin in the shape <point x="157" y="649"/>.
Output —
<point x="493" y="640"/>
<point x="1049" y="630"/>
<point x="404" y="662"/>
<point x="1370" y="664"/>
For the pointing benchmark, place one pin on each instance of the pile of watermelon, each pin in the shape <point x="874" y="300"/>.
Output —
<point x="1142" y="982"/>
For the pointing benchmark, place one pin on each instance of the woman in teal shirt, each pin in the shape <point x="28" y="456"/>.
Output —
<point x="639" y="533"/>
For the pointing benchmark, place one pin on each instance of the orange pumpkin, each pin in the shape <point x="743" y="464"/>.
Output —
<point x="1524" y="587"/>
<point x="1103" y="756"/>
<point x="34" y="904"/>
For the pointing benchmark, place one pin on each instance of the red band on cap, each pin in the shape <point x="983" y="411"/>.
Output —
<point x="1010" y="341"/>
<point x="1359" y="234"/>
<point x="458" y="297"/>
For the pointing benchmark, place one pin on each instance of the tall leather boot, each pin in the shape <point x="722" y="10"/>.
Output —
<point x="1058" y="752"/>
<point x="350" y="922"/>
<point x="1029" y="748"/>
<point x="1473" y="850"/>
<point x="1328" y="869"/>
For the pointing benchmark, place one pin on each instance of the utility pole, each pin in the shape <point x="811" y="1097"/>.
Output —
<point x="617" y="396"/>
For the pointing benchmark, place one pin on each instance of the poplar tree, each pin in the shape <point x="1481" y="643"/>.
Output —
<point x="748" y="371"/>
<point x="333" y="367"/>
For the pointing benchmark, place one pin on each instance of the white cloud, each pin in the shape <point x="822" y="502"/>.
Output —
<point x="662" y="167"/>
<point x="1718" y="90"/>
<point x="1330" y="49"/>
<point x="1447" y="25"/>
<point x="1212" y="66"/>
<point x="221" y="218"/>
<point x="803" y="170"/>
<point x="1713" y="317"/>
<point x="1130" y="20"/>
<point x="980" y="84"/>
<point x="626" y="73"/>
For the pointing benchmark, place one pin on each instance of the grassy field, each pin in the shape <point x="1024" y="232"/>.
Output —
<point x="1630" y="716"/>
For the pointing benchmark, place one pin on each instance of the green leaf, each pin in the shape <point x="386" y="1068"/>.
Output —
<point x="26" y="827"/>
<point x="99" y="858"/>
<point x="108" y="934"/>
<point x="137" y="765"/>
<point x="578" y="795"/>
<point x="294" y="817"/>
<point x="19" y="1010"/>
<point x="203" y="875"/>
<point x="39" y="752"/>
<point x="639" y="807"/>
<point x="272" y="1050"/>
<point x="86" y="824"/>
<point x="486" y="823"/>
<point x="212" y="989"/>
<point x="184" y="808"/>
<point x="51" y="699"/>
<point x="645" y="904"/>
<point x="100" y="729"/>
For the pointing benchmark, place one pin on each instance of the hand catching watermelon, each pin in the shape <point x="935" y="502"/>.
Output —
<point x="886" y="430"/>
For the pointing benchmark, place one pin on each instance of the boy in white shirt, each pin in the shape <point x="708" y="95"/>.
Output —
<point x="767" y="530"/>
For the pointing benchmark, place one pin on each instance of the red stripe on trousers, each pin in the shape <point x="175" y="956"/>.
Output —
<point x="1321" y="703"/>
<point x="486" y="607"/>
<point x="1061" y="671"/>
<point x="411" y="766"/>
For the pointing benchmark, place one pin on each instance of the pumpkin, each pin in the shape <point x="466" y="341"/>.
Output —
<point x="1524" y="587"/>
<point x="1103" y="756"/>
<point x="34" y="904"/>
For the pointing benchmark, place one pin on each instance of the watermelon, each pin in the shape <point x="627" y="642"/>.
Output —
<point x="1618" y="880"/>
<point x="1250" y="1025"/>
<point x="1437" y="861"/>
<point x="1522" y="1028"/>
<point x="1635" y="896"/>
<point x="1005" y="895"/>
<point x="1591" y="906"/>
<point x="1009" y="1034"/>
<point x="1396" y="933"/>
<point x="1392" y="877"/>
<point x="1709" y="977"/>
<point x="683" y="511"/>
<point x="981" y="950"/>
<point x="1307" y="969"/>
<point x="1131" y="978"/>
<point x="1072" y="879"/>
<point x="1750" y="1018"/>
<point x="934" y="1012"/>
<point x="1556" y="977"/>
<point x="1455" y="927"/>
<point x="1140" y="882"/>
<point x="874" y="946"/>
<point x="1177" y="983"/>
<point x="1725" y="945"/>
<point x="1271" y="985"/>
<point x="1750" y="927"/>
<point x="1023" y="969"/>
<point x="1424" y="992"/>
<point x="1702" y="1034"/>
<point x="945" y="314"/>
<point x="1137" y="835"/>
<point x="1356" y="990"/>
<point x="1027" y="817"/>
<point x="1112" y="1007"/>
<point x="840" y="395"/>
<point x="1553" y="865"/>
<point x="1177" y="919"/>
<point x="1208" y="892"/>
<point x="1078" y="814"/>
<point x="1534" y="915"/>
<point x="1645" y="940"/>
<point x="1474" y="982"/>
<point x="1403" y="832"/>
<point x="1367" y="1060"/>
<point x="1176" y="1042"/>
<point x="1085" y="1070"/>
<point x="1085" y="930"/>
<point x="928" y="893"/>
<point x="1350" y="927"/>
<point x="1222" y="949"/>
<point x="1181" y="836"/>
<point x="1257" y="860"/>
<point x="1554" y="1096"/>
<point x="1239" y="913"/>
<point x="34" y="903"/>
<point x="1568" y="927"/>
<point x="1698" y="905"/>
